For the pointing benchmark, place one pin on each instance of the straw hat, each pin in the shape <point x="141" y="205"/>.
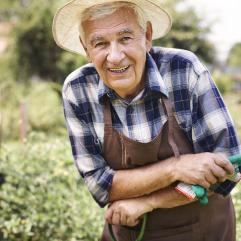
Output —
<point x="67" y="19"/>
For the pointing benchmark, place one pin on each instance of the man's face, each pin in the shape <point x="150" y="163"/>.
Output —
<point x="117" y="47"/>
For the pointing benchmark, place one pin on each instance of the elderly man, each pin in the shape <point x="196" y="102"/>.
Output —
<point x="141" y="119"/>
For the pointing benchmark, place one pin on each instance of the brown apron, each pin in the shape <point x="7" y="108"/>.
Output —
<point x="191" y="222"/>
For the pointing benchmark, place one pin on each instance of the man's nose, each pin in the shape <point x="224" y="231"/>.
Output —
<point x="115" y="54"/>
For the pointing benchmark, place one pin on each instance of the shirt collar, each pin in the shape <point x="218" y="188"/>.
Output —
<point x="154" y="82"/>
<point x="104" y="90"/>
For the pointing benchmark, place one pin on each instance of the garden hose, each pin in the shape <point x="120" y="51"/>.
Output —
<point x="199" y="192"/>
<point x="140" y="236"/>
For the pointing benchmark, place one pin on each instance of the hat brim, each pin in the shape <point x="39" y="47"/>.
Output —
<point x="66" y="21"/>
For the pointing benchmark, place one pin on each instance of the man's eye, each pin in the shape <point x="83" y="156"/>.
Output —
<point x="126" y="39"/>
<point x="100" y="44"/>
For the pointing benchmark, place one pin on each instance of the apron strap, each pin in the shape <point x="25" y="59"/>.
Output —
<point x="170" y="118"/>
<point x="107" y="112"/>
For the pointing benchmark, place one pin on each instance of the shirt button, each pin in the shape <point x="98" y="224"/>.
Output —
<point x="129" y="109"/>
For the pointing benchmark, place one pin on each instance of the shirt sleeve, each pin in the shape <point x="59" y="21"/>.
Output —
<point x="86" y="148"/>
<point x="212" y="127"/>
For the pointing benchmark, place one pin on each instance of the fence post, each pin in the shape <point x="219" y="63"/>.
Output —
<point x="1" y="131"/>
<point x="23" y="122"/>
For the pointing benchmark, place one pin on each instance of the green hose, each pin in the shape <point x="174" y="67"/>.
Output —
<point x="140" y="236"/>
<point x="236" y="159"/>
<point x="201" y="192"/>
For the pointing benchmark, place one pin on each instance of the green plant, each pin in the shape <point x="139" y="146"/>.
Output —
<point x="43" y="108"/>
<point x="223" y="81"/>
<point x="33" y="50"/>
<point x="41" y="196"/>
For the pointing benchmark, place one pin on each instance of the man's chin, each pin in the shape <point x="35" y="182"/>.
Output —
<point x="120" y="86"/>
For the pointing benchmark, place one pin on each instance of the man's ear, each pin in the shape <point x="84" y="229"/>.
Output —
<point x="148" y="36"/>
<point x="86" y="51"/>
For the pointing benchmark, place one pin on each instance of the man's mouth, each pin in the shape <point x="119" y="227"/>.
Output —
<point x="119" y="70"/>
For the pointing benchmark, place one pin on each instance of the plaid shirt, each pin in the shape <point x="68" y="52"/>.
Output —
<point x="177" y="74"/>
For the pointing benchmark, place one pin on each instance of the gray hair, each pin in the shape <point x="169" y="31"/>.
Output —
<point x="102" y="10"/>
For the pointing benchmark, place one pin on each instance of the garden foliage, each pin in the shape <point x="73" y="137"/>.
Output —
<point x="41" y="195"/>
<point x="33" y="50"/>
<point x="43" y="108"/>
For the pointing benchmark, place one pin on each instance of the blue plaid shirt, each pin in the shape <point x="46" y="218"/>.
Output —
<point x="179" y="75"/>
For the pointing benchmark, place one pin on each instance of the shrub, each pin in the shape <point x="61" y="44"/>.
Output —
<point x="41" y="198"/>
<point x="223" y="81"/>
<point x="34" y="52"/>
<point x="44" y="108"/>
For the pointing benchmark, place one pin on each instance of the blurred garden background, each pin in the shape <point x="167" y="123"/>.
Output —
<point x="42" y="197"/>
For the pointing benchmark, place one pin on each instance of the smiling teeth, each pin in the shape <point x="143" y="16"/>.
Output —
<point x="118" y="70"/>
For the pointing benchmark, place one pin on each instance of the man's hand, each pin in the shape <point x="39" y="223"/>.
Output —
<point x="128" y="212"/>
<point x="203" y="169"/>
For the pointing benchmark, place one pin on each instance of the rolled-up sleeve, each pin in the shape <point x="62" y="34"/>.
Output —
<point x="86" y="148"/>
<point x="212" y="127"/>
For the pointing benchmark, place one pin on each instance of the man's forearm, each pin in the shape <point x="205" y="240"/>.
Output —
<point x="128" y="211"/>
<point x="141" y="181"/>
<point x="167" y="198"/>
<point x="203" y="169"/>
